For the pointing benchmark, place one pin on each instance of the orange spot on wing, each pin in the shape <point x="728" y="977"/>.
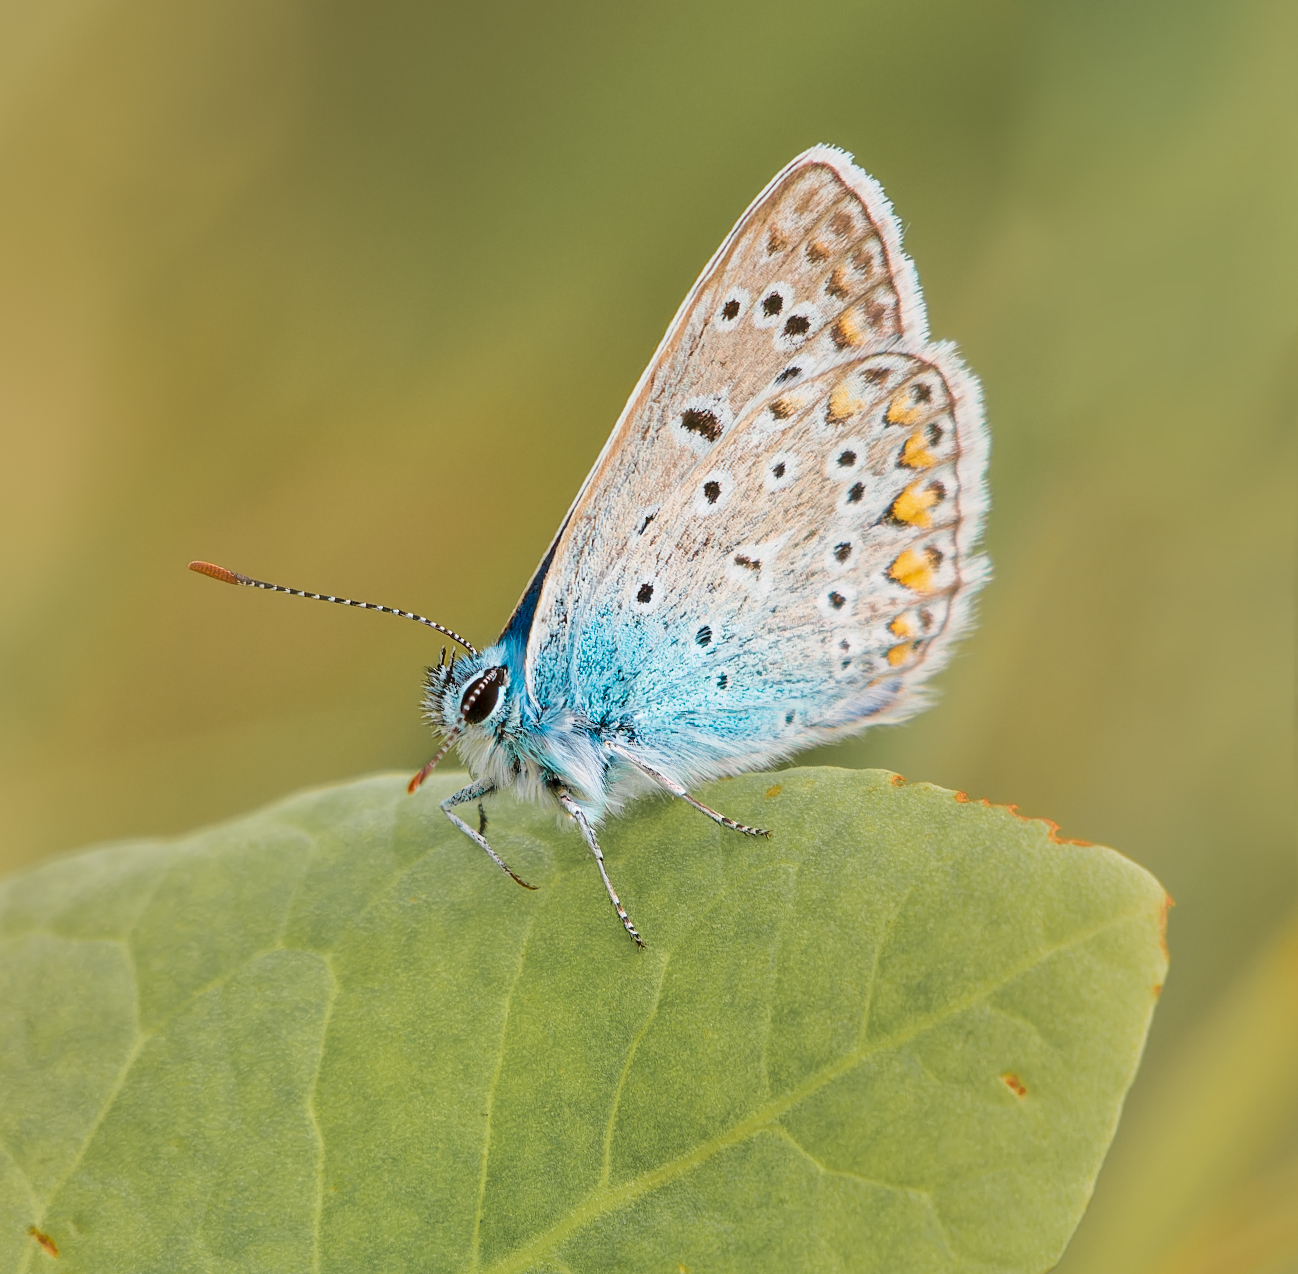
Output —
<point x="1015" y="1085"/>
<point x="898" y="654"/>
<point x="915" y="454"/>
<point x="847" y="332"/>
<point x="899" y="414"/>
<point x="913" y="569"/>
<point x="901" y="627"/>
<point x="48" y="1246"/>
<point x="843" y="403"/>
<point x="913" y="504"/>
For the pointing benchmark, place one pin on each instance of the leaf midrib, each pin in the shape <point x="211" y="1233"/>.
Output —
<point x="605" y="1199"/>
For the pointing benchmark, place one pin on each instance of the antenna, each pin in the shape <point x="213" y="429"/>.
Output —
<point x="213" y="571"/>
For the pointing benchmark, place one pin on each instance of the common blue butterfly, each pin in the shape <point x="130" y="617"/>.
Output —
<point x="776" y="547"/>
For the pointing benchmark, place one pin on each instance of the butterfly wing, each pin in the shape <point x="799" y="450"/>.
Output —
<point x="811" y="281"/>
<point x="807" y="581"/>
<point x="813" y="268"/>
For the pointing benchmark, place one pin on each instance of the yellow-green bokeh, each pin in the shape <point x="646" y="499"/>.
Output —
<point x="348" y="296"/>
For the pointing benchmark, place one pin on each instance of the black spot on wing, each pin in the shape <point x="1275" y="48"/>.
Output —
<point x="695" y="420"/>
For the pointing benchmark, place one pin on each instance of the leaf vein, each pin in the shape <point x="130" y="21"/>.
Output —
<point x="474" y="1250"/>
<point x="885" y="937"/>
<point x="22" y="1172"/>
<point x="626" y="1070"/>
<point x="780" y="1131"/>
<point x="313" y="1117"/>
<point x="602" y="1201"/>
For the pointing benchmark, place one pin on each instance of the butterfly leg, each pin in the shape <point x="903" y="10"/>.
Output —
<point x="475" y="792"/>
<point x="677" y="790"/>
<point x="588" y="832"/>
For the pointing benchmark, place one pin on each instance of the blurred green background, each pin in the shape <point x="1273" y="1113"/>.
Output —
<point x="349" y="296"/>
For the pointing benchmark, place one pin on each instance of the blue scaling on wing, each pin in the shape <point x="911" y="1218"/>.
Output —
<point x="815" y="593"/>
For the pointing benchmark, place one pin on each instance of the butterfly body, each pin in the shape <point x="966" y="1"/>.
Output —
<point x="777" y="546"/>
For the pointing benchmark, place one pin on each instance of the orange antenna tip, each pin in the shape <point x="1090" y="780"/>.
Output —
<point x="216" y="572"/>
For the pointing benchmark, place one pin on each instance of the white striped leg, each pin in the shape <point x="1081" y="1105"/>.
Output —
<point x="475" y="792"/>
<point x="589" y="833"/>
<point x="677" y="790"/>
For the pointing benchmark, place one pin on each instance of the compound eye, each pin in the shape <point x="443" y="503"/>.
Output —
<point x="481" y="696"/>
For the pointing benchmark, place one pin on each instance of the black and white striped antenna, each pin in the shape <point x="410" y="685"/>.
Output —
<point x="213" y="571"/>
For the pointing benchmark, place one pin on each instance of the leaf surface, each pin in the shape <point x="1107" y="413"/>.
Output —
<point x="331" y="1036"/>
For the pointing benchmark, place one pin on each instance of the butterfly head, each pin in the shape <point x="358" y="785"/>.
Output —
<point x="468" y="698"/>
<point x="472" y="704"/>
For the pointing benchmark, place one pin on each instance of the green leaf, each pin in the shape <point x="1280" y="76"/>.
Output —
<point x="333" y="1037"/>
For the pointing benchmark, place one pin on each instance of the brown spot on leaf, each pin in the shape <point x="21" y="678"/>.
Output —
<point x="774" y="791"/>
<point x="48" y="1246"/>
<point x="1015" y="1085"/>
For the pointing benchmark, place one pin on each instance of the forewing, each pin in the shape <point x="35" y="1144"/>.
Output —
<point x="807" y="580"/>
<point x="811" y="275"/>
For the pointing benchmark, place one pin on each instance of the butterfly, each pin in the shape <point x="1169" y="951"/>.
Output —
<point x="777" y="546"/>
